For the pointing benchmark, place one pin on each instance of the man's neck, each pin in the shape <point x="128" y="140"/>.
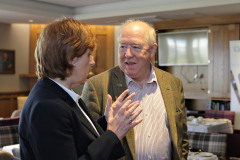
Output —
<point x="144" y="79"/>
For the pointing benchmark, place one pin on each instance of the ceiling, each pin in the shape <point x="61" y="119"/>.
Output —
<point x="110" y="12"/>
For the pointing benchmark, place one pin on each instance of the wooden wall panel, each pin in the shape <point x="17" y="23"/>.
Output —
<point x="100" y="57"/>
<point x="35" y="30"/>
<point x="219" y="67"/>
<point x="104" y="57"/>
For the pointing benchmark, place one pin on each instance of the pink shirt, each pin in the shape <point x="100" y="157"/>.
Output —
<point x="152" y="136"/>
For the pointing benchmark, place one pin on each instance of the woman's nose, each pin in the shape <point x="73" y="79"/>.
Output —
<point x="92" y="62"/>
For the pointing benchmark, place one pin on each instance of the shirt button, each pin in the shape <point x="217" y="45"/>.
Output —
<point x="146" y="114"/>
<point x="149" y="157"/>
<point x="149" y="135"/>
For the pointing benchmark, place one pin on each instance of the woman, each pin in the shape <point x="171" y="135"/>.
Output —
<point x="55" y="123"/>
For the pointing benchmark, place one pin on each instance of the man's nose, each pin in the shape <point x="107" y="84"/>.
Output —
<point x="128" y="52"/>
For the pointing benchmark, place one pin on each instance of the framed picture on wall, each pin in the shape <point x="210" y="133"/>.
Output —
<point x="7" y="61"/>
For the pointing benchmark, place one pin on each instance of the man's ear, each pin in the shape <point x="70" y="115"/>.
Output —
<point x="153" y="50"/>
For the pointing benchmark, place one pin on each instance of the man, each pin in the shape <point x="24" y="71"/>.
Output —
<point x="163" y="131"/>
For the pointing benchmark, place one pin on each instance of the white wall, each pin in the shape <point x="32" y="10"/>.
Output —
<point x="235" y="81"/>
<point x="15" y="37"/>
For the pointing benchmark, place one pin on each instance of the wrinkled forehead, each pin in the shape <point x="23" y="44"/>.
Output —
<point x="132" y="41"/>
<point x="136" y="28"/>
<point x="134" y="34"/>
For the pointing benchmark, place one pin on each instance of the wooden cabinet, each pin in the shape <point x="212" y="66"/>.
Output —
<point x="219" y="54"/>
<point x="8" y="102"/>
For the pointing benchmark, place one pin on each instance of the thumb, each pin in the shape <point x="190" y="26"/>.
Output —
<point x="108" y="110"/>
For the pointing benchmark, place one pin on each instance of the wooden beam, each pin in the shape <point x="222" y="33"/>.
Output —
<point x="197" y="22"/>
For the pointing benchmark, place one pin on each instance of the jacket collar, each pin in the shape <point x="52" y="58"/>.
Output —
<point x="117" y="79"/>
<point x="169" y="101"/>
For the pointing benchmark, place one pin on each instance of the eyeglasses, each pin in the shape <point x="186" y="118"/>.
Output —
<point x="135" y="48"/>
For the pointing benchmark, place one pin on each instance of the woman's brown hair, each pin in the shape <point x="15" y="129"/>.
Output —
<point x="60" y="42"/>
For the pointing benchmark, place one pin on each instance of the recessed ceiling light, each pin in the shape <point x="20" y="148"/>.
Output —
<point x="30" y="20"/>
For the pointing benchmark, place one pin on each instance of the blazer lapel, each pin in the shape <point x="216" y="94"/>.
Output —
<point x="85" y="121"/>
<point x="117" y="78"/>
<point x="169" y="102"/>
<point x="99" y="129"/>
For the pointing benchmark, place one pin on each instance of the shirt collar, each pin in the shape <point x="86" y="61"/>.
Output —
<point x="72" y="94"/>
<point x="152" y="78"/>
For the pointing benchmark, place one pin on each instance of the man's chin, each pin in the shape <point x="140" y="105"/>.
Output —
<point x="130" y="74"/>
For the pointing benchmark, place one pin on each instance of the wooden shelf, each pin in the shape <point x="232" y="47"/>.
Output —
<point x="197" y="114"/>
<point x="196" y="95"/>
<point x="204" y="96"/>
<point x="220" y="99"/>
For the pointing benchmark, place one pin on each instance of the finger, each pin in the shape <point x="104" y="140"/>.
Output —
<point x="132" y="109"/>
<point x="135" y="114"/>
<point x="134" y="123"/>
<point x="132" y="104"/>
<point x="121" y="97"/>
<point x="129" y="97"/>
<point x="108" y="110"/>
<point x="124" y="107"/>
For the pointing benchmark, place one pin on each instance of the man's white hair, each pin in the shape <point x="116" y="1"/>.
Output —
<point x="150" y="36"/>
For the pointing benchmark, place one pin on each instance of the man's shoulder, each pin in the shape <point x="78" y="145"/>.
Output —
<point x="163" y="74"/>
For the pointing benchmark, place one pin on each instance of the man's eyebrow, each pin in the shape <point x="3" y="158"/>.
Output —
<point x="134" y="43"/>
<point x="122" y="42"/>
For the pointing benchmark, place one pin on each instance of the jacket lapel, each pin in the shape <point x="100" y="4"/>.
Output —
<point x="85" y="121"/>
<point x="169" y="102"/>
<point x="99" y="129"/>
<point x="117" y="78"/>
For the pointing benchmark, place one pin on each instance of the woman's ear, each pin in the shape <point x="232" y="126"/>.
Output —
<point x="73" y="61"/>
